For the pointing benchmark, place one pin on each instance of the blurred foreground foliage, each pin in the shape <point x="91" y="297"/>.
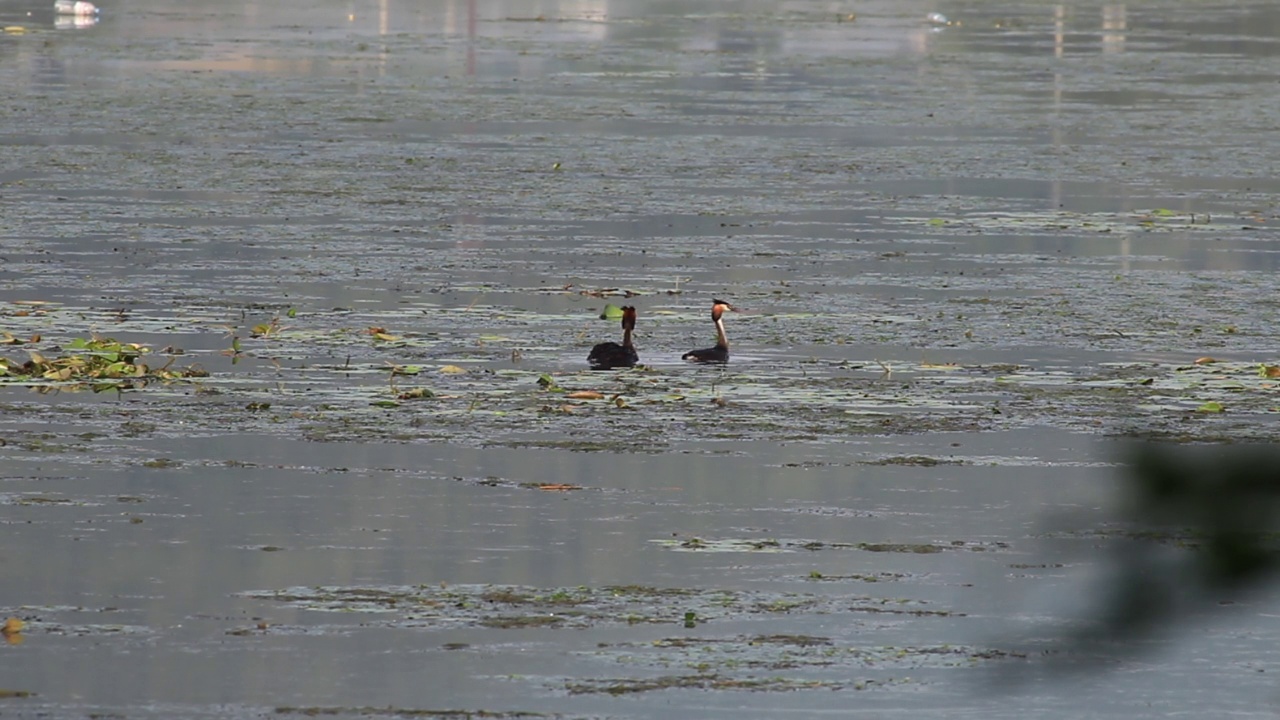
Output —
<point x="1202" y="526"/>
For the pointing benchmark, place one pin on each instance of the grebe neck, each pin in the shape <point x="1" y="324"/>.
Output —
<point x="721" y="339"/>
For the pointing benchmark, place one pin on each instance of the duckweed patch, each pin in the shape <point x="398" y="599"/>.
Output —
<point x="859" y="577"/>
<point x="496" y="482"/>
<point x="626" y="686"/>
<point x="394" y="712"/>
<point x="830" y="660"/>
<point x="522" y="621"/>
<point x="19" y="499"/>
<point x="508" y="606"/>
<point x="917" y="460"/>
<point x="771" y="545"/>
<point x="1184" y="538"/>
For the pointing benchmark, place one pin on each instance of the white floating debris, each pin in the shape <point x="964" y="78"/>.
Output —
<point x="74" y="7"/>
<point x="74" y="22"/>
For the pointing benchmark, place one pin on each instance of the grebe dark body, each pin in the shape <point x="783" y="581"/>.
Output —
<point x="611" y="355"/>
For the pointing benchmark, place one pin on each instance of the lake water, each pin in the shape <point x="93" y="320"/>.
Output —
<point x="972" y="255"/>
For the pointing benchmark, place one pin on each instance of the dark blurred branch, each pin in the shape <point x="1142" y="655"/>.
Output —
<point x="1200" y="527"/>
<point x="1227" y="498"/>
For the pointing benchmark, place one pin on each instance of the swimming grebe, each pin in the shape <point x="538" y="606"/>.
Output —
<point x="610" y="355"/>
<point x="719" y="353"/>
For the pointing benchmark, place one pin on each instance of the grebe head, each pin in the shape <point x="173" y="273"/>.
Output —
<point x="718" y="307"/>
<point x="628" y="317"/>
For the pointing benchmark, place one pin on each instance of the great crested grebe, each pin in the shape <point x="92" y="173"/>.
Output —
<point x="719" y="353"/>
<point x="610" y="355"/>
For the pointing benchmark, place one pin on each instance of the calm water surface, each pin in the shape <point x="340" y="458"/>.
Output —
<point x="947" y="240"/>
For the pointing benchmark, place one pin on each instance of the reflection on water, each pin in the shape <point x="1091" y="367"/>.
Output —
<point x="1032" y="188"/>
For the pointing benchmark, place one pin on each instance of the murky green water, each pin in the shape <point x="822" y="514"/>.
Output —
<point x="969" y="257"/>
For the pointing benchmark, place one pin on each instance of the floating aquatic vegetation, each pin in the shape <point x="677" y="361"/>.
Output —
<point x="917" y="460"/>
<point x="511" y="606"/>
<point x="409" y="712"/>
<point x="625" y="686"/>
<point x="770" y="545"/>
<point x="781" y="652"/>
<point x="325" y="378"/>
<point x="774" y="662"/>
<point x="98" y="362"/>
<point x="724" y="662"/>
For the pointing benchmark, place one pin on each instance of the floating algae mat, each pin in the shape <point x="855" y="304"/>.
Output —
<point x="709" y="652"/>
<point x="785" y="545"/>
<point x="497" y="606"/>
